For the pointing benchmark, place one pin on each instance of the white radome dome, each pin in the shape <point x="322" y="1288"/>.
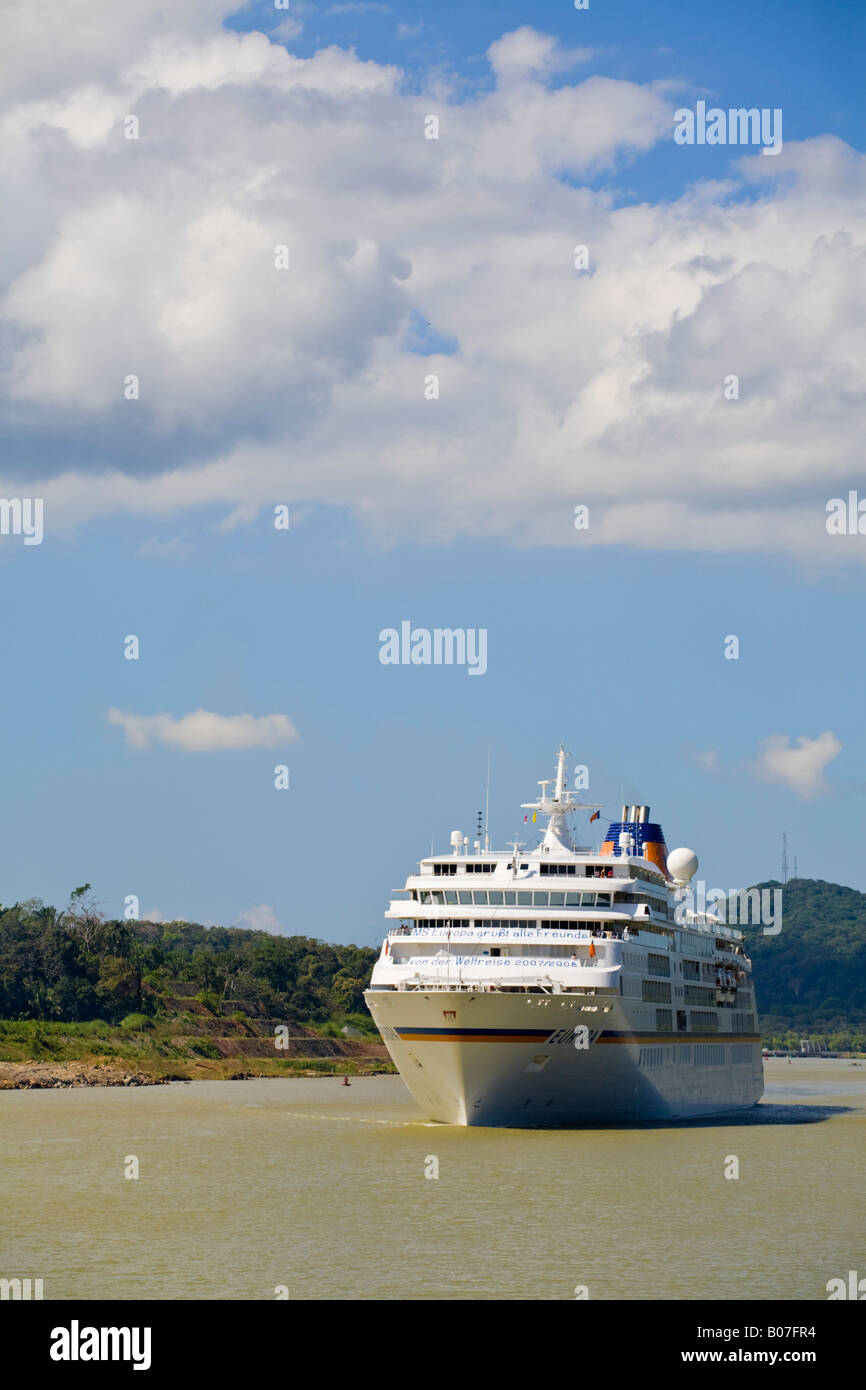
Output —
<point x="682" y="864"/>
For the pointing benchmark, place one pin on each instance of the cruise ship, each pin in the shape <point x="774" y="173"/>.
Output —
<point x="561" y="985"/>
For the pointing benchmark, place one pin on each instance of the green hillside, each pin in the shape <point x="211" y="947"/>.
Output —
<point x="75" y="967"/>
<point x="94" y="1002"/>
<point x="810" y="979"/>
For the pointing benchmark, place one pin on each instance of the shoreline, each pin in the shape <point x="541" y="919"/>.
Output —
<point x="48" y="1076"/>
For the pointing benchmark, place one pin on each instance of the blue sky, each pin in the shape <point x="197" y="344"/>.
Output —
<point x="389" y="757"/>
<point x="159" y="523"/>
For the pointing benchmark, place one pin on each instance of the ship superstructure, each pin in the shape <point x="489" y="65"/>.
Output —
<point x="557" y="985"/>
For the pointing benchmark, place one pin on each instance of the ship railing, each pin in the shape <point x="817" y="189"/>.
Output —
<point x="483" y="987"/>
<point x="450" y="968"/>
<point x="529" y="984"/>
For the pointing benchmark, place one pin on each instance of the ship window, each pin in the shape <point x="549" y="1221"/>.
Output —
<point x="557" y="900"/>
<point x="465" y="897"/>
<point x="451" y="897"/>
<point x="510" y="899"/>
<point x="524" y="900"/>
<point x="495" y="899"/>
<point x="573" y="899"/>
<point x="602" y="899"/>
<point x="699" y="994"/>
<point x="682" y="1021"/>
<point x="479" y="899"/>
<point x="658" y="965"/>
<point x="539" y="899"/>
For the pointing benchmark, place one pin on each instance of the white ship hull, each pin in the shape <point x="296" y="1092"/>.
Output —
<point x="497" y="1059"/>
<point x="561" y="985"/>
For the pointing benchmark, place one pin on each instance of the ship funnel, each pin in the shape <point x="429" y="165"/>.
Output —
<point x="637" y="834"/>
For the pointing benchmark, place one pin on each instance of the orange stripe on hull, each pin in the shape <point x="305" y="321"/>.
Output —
<point x="470" y="1037"/>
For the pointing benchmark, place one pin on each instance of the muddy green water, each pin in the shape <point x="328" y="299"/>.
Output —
<point x="245" y="1186"/>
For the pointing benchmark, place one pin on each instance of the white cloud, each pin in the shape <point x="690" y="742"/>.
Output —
<point x="287" y="29"/>
<point x="708" y="760"/>
<point x="96" y="38"/>
<point x="799" y="766"/>
<point x="241" y="515"/>
<point x="203" y="731"/>
<point x="525" y="52"/>
<point x="261" y="918"/>
<point x="156" y="257"/>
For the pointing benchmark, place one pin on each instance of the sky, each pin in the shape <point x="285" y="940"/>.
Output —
<point x="550" y="376"/>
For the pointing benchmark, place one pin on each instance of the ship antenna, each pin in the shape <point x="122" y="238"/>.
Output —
<point x="487" y="807"/>
<point x="560" y="773"/>
<point x="558" y="806"/>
